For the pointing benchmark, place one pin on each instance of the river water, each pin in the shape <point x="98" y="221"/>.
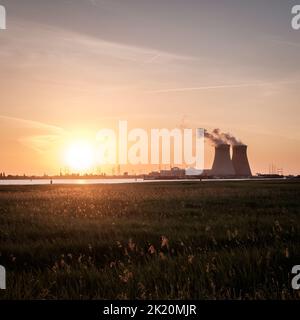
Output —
<point x="102" y="181"/>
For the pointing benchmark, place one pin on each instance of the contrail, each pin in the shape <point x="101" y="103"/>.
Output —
<point x="288" y="43"/>
<point x="256" y="84"/>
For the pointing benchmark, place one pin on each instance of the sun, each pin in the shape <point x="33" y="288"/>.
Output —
<point x="80" y="156"/>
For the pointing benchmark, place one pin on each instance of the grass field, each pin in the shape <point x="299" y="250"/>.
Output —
<point x="172" y="240"/>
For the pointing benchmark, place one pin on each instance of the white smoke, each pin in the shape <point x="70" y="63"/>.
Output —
<point x="218" y="137"/>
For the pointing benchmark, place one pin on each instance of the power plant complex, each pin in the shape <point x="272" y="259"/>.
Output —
<point x="226" y="166"/>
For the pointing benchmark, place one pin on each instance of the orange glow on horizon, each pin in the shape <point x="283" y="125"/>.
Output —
<point x="80" y="156"/>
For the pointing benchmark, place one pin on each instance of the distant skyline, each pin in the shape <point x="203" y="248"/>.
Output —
<point x="71" y="67"/>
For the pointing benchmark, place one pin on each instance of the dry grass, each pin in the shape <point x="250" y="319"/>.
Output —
<point x="225" y="240"/>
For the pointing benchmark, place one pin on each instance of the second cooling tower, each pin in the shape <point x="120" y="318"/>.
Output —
<point x="222" y="165"/>
<point x="240" y="161"/>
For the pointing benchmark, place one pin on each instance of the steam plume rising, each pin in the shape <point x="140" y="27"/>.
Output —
<point x="215" y="139"/>
<point x="218" y="137"/>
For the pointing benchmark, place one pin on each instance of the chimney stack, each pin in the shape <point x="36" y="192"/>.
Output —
<point x="240" y="161"/>
<point x="222" y="165"/>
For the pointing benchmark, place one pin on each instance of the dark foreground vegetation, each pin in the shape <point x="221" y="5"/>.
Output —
<point x="172" y="240"/>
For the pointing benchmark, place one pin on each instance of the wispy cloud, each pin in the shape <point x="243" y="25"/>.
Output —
<point x="124" y="51"/>
<point x="33" y="124"/>
<point x="36" y="135"/>
<point x="285" y="43"/>
<point x="38" y="41"/>
<point x="216" y="87"/>
<point x="40" y="143"/>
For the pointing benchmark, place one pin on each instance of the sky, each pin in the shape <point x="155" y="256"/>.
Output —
<point x="71" y="67"/>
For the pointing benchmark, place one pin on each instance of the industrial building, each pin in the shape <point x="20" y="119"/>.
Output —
<point x="240" y="161"/>
<point x="225" y="166"/>
<point x="222" y="165"/>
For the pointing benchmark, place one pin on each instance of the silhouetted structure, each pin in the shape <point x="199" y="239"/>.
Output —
<point x="240" y="161"/>
<point x="222" y="165"/>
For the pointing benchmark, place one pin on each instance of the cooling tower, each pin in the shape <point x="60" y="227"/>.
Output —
<point x="222" y="165"/>
<point x="240" y="161"/>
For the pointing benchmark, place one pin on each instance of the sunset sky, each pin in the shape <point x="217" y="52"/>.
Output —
<point x="71" y="67"/>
